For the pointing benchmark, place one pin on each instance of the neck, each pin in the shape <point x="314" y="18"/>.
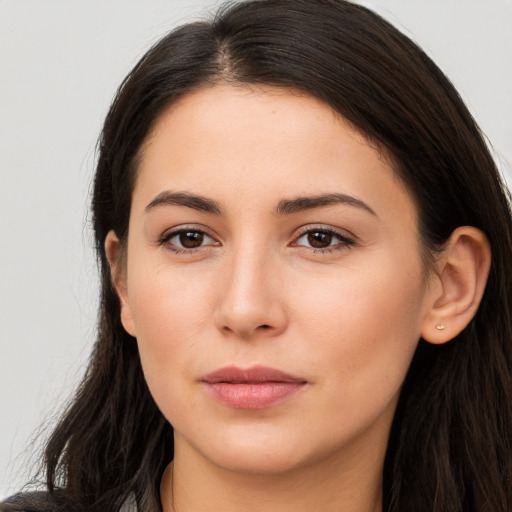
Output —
<point x="351" y="482"/>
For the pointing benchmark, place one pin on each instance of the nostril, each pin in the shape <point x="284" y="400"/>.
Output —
<point x="265" y="326"/>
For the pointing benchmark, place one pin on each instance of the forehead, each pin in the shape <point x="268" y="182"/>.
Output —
<point x="260" y="144"/>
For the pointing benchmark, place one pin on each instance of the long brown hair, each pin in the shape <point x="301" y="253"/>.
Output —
<point x="450" y="446"/>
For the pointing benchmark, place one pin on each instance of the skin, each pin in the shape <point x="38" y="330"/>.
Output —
<point x="346" y="317"/>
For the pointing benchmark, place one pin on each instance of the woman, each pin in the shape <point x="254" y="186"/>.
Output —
<point x="295" y="216"/>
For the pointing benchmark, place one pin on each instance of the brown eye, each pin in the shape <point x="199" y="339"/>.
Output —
<point x="319" y="239"/>
<point x="191" y="239"/>
<point x="183" y="240"/>
<point x="323" y="239"/>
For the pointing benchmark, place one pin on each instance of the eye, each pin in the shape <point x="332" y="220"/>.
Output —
<point x="185" y="239"/>
<point x="323" y="239"/>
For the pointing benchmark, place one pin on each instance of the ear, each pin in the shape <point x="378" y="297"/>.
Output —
<point x="459" y="283"/>
<point x="117" y="262"/>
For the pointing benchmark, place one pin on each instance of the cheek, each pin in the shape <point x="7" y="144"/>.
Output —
<point x="364" y="327"/>
<point x="170" y="310"/>
<point x="164" y="300"/>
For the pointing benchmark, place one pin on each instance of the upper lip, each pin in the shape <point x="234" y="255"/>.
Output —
<point x="254" y="374"/>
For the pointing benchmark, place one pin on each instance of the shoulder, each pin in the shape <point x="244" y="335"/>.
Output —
<point x="40" y="501"/>
<point x="37" y="501"/>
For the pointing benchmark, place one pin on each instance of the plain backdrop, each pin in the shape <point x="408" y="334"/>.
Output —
<point x="60" y="64"/>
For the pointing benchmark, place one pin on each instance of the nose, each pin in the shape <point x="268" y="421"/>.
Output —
<point x="251" y="297"/>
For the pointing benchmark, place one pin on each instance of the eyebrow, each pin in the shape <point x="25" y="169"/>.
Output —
<point x="200" y="203"/>
<point x="284" y="207"/>
<point x="299" y="204"/>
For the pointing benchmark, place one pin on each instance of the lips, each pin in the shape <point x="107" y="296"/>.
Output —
<point x="253" y="388"/>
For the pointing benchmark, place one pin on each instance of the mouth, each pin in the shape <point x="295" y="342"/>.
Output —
<point x="253" y="388"/>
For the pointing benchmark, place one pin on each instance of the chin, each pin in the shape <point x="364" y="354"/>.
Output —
<point x="258" y="461"/>
<point x="261" y="451"/>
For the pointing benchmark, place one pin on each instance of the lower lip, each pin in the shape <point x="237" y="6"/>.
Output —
<point x="253" y="395"/>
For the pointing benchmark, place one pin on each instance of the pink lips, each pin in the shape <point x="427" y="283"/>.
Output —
<point x="253" y="388"/>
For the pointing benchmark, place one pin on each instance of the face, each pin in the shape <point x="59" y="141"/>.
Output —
<point x="273" y="280"/>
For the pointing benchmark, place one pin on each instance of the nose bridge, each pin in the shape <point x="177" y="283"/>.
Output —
<point x="249" y="299"/>
<point x="251" y="277"/>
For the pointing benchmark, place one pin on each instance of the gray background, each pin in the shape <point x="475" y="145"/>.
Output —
<point x="60" y="64"/>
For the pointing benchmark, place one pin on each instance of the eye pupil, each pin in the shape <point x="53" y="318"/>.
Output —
<point x="319" y="240"/>
<point x="191" y="239"/>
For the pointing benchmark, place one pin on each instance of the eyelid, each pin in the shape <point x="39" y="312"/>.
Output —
<point x="347" y="239"/>
<point x="176" y="230"/>
<point x="344" y="233"/>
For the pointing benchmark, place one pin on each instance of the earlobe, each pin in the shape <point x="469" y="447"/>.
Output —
<point x="118" y="275"/>
<point x="461" y="276"/>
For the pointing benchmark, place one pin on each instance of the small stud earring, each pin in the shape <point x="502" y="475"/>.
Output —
<point x="440" y="327"/>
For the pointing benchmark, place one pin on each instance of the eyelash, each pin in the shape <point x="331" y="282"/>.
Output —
<point x="165" y="240"/>
<point x="344" y="241"/>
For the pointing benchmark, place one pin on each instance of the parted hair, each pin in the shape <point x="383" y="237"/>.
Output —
<point x="450" y="444"/>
